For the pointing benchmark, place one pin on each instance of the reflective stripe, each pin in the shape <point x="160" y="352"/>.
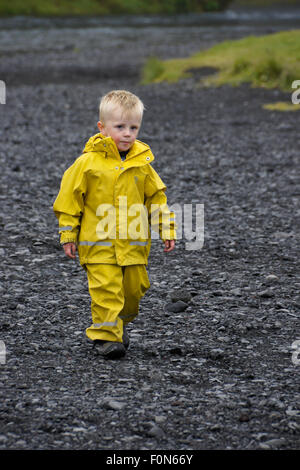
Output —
<point x="139" y="243"/>
<point x="68" y="227"/>
<point x="103" y="243"/>
<point x="106" y="323"/>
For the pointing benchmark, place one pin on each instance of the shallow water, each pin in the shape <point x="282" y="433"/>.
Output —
<point x="229" y="17"/>
<point x="19" y="34"/>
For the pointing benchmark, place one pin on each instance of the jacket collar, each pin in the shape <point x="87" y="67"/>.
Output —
<point x="100" y="143"/>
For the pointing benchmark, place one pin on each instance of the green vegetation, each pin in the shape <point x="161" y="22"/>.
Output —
<point x="111" y="7"/>
<point x="282" y="106"/>
<point x="271" y="61"/>
<point x="105" y="7"/>
<point x="265" y="3"/>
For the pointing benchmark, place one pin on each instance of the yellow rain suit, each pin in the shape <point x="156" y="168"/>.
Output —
<point x="106" y="206"/>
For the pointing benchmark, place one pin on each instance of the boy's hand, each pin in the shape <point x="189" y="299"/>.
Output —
<point x="169" y="245"/>
<point x="70" y="250"/>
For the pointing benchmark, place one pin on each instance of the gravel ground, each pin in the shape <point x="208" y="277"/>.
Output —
<point x="211" y="363"/>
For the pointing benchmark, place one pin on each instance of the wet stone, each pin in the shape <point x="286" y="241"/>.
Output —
<point x="180" y="295"/>
<point x="176" y="307"/>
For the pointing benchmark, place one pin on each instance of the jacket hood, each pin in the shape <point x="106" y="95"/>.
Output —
<point x="100" y="143"/>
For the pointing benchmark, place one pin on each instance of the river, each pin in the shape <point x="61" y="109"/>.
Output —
<point x="18" y="34"/>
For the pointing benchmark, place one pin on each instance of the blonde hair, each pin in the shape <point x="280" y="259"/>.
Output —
<point x="120" y="99"/>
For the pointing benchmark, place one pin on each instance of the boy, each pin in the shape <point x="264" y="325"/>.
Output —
<point x="97" y="206"/>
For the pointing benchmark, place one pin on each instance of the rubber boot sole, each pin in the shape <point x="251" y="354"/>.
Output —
<point x="110" y="349"/>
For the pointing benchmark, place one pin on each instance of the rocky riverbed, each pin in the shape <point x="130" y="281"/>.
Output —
<point x="213" y="361"/>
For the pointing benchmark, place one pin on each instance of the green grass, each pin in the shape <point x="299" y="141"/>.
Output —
<point x="50" y="7"/>
<point x="103" y="7"/>
<point x="282" y="106"/>
<point x="265" y="3"/>
<point x="271" y="61"/>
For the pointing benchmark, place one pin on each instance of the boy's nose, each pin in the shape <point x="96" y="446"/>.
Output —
<point x="127" y="132"/>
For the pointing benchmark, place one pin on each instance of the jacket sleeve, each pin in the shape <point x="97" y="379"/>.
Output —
<point x="69" y="204"/>
<point x="161" y="219"/>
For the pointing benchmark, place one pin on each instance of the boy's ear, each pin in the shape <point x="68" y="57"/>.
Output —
<point x="100" y="126"/>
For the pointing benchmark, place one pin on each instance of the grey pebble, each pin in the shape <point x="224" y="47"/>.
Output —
<point x="180" y="295"/>
<point x="156" y="431"/>
<point x="114" y="404"/>
<point x="176" y="307"/>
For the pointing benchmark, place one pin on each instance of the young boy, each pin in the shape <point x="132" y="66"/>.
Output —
<point x="107" y="200"/>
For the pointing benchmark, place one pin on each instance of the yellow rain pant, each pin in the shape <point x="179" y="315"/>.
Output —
<point x="115" y="296"/>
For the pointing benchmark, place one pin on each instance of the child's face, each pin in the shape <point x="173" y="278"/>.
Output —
<point x="123" y="129"/>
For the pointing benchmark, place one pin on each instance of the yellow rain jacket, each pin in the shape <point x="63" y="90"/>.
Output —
<point x="106" y="205"/>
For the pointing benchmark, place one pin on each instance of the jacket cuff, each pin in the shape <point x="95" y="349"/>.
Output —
<point x="68" y="237"/>
<point x="168" y="235"/>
